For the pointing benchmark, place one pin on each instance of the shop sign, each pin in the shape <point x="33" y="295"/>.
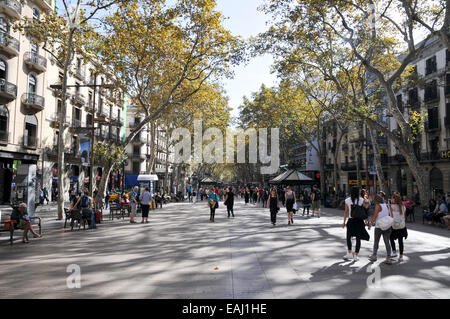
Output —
<point x="445" y="155"/>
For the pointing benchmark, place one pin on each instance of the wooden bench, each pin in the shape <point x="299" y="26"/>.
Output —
<point x="75" y="216"/>
<point x="116" y="209"/>
<point x="10" y="226"/>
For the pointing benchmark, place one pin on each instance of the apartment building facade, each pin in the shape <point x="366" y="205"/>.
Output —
<point x="139" y="151"/>
<point x="431" y="96"/>
<point x="30" y="108"/>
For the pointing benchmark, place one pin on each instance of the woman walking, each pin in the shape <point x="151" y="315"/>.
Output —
<point x="134" y="203"/>
<point x="213" y="201"/>
<point x="290" y="201"/>
<point x="274" y="205"/>
<point x="381" y="211"/>
<point x="399" y="231"/>
<point x="246" y="196"/>
<point x="145" y="199"/>
<point x="229" y="201"/>
<point x="355" y="227"/>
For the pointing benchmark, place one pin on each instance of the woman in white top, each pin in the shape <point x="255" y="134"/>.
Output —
<point x="355" y="227"/>
<point x="398" y="212"/>
<point x="381" y="210"/>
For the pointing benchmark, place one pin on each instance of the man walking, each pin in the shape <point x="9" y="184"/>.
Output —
<point x="316" y="197"/>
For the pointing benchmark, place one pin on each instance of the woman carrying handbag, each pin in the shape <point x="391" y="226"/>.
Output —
<point x="399" y="231"/>
<point x="383" y="222"/>
<point x="355" y="224"/>
<point x="213" y="202"/>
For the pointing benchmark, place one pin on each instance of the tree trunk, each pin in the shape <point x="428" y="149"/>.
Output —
<point x="102" y="187"/>
<point x="62" y="118"/>
<point x="377" y="160"/>
<point x="358" y="168"/>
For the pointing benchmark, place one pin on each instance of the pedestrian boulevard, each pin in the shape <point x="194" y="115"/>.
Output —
<point x="181" y="254"/>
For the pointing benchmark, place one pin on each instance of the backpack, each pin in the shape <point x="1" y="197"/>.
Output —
<point x="359" y="212"/>
<point x="85" y="201"/>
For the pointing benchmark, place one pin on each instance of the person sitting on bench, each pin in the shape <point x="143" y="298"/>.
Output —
<point x="85" y="204"/>
<point x="23" y="221"/>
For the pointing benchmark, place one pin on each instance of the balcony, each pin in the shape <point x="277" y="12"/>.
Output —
<point x="76" y="123"/>
<point x="117" y="122"/>
<point x="44" y="4"/>
<point x="139" y="139"/>
<point x="52" y="151"/>
<point x="30" y="142"/>
<point x="349" y="166"/>
<point x="54" y="120"/>
<point x="35" y="61"/>
<point x="113" y="137"/>
<point x="102" y="114"/>
<point x="80" y="74"/>
<point x="78" y="99"/>
<point x="33" y="101"/>
<point x="12" y="8"/>
<point x="4" y="137"/>
<point x="8" y="91"/>
<point x="89" y="107"/>
<point x="141" y="157"/>
<point x="9" y="45"/>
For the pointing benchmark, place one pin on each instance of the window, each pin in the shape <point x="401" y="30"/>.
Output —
<point x="32" y="84"/>
<point x="136" y="167"/>
<point x="136" y="149"/>
<point x="74" y="145"/>
<point x="433" y="118"/>
<point x="90" y="99"/>
<point x="59" y="106"/>
<point x="4" y="25"/>
<point x="36" y="14"/>
<point x="56" y="139"/>
<point x="3" y="73"/>
<point x="431" y="91"/>
<point x="34" y="47"/>
<point x="4" y="115"/>
<point x="89" y="120"/>
<point x="431" y="66"/>
<point x="30" y="133"/>
<point x="77" y="114"/>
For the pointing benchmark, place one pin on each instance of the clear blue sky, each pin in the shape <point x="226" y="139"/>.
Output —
<point x="245" y="20"/>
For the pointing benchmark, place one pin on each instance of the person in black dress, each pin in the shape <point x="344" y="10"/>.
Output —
<point x="355" y="227"/>
<point x="274" y="206"/>
<point x="247" y="196"/>
<point x="229" y="201"/>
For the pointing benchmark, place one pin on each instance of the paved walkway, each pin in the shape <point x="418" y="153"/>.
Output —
<point x="180" y="254"/>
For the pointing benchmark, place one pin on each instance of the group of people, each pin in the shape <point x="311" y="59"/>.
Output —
<point x="438" y="211"/>
<point x="285" y="196"/>
<point x="213" y="202"/>
<point x="389" y="220"/>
